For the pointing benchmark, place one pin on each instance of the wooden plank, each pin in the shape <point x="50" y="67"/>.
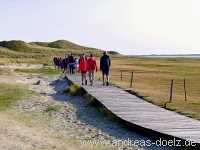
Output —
<point x="142" y="113"/>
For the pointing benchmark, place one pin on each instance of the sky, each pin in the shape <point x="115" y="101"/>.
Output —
<point x="129" y="26"/>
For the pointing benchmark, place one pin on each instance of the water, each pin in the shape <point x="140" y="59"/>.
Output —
<point x="174" y="56"/>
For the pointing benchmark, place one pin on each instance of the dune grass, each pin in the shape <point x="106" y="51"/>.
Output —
<point x="17" y="51"/>
<point x="46" y="70"/>
<point x="74" y="90"/>
<point x="11" y="93"/>
<point x="152" y="77"/>
<point x="4" y="71"/>
<point x="40" y="52"/>
<point x="53" y="108"/>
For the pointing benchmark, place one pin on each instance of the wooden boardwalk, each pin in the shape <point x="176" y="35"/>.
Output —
<point x="141" y="113"/>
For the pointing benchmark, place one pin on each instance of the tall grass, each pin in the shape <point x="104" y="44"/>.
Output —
<point x="11" y="93"/>
<point x="152" y="78"/>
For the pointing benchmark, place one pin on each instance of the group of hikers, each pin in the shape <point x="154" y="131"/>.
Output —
<point x="67" y="64"/>
<point x="86" y="65"/>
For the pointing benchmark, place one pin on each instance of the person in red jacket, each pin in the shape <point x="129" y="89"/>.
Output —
<point x="92" y="67"/>
<point x="83" y="68"/>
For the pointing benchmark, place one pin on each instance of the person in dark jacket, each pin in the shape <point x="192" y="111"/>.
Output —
<point x="55" y="62"/>
<point x="71" y="63"/>
<point x="65" y="63"/>
<point x="105" y="64"/>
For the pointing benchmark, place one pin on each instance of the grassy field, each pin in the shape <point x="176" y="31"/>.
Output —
<point x="10" y="93"/>
<point x="46" y="70"/>
<point x="41" y="52"/>
<point x="152" y="78"/>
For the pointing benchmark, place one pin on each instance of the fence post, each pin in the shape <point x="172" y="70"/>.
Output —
<point x="121" y="75"/>
<point x="131" y="83"/>
<point x="185" y="91"/>
<point x="171" y="91"/>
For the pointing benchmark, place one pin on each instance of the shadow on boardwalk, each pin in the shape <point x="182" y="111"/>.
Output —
<point x="91" y="116"/>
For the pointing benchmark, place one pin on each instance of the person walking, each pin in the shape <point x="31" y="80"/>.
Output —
<point x="55" y="62"/>
<point x="65" y="62"/>
<point x="105" y="63"/>
<point x="83" y="68"/>
<point x="92" y="67"/>
<point x="71" y="62"/>
<point x="76" y="64"/>
<point x="61" y="66"/>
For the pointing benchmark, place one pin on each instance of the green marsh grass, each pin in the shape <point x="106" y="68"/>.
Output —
<point x="44" y="71"/>
<point x="10" y="93"/>
<point x="53" y="108"/>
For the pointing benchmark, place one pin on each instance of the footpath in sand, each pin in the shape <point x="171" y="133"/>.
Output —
<point x="50" y="119"/>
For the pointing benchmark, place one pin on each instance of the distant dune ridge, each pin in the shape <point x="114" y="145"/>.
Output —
<point x="46" y="48"/>
<point x="16" y="45"/>
<point x="19" y="45"/>
<point x="63" y="44"/>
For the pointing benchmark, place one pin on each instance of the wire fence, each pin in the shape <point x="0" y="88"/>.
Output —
<point x="158" y="87"/>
